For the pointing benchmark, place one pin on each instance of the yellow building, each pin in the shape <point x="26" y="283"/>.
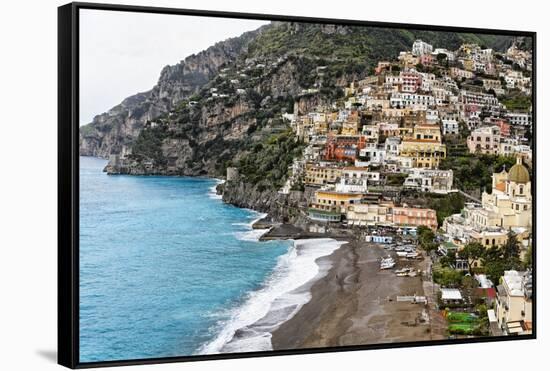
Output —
<point x="428" y="132"/>
<point x="426" y="153"/>
<point x="317" y="175"/>
<point x="369" y="214"/>
<point x="469" y="64"/>
<point x="330" y="205"/>
<point x="320" y="127"/>
<point x="408" y="60"/>
<point x="350" y="127"/>
<point x="489" y="238"/>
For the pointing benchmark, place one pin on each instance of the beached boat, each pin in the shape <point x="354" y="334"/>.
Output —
<point x="387" y="263"/>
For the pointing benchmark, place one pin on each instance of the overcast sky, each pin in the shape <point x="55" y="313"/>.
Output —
<point x="122" y="53"/>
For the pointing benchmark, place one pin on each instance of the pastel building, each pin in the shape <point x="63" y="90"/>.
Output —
<point x="369" y="214"/>
<point x="329" y="206"/>
<point x="450" y="126"/>
<point x="319" y="175"/>
<point x="415" y="217"/>
<point x="514" y="304"/>
<point x="485" y="140"/>
<point x="426" y="153"/>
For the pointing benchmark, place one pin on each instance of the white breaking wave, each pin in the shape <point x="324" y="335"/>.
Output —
<point x="282" y="295"/>
<point x="251" y="234"/>
<point x="212" y="191"/>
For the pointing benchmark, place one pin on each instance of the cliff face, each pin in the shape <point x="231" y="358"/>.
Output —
<point x="280" y="207"/>
<point x="114" y="131"/>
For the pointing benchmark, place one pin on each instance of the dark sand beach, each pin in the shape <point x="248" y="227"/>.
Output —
<point x="355" y="304"/>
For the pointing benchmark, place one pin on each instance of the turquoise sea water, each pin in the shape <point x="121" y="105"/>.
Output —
<point x="164" y="264"/>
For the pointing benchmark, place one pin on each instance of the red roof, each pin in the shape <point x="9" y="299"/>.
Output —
<point x="488" y="293"/>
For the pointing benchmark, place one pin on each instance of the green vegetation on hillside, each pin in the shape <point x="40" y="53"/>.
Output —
<point x="358" y="43"/>
<point x="148" y="145"/>
<point x="473" y="173"/>
<point x="267" y="164"/>
<point x="445" y="205"/>
<point x="86" y="129"/>
<point x="518" y="102"/>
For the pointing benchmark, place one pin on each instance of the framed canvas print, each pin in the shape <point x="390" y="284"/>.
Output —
<point x="236" y="185"/>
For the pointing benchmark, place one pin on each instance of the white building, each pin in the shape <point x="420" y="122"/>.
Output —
<point x="420" y="48"/>
<point x="356" y="180"/>
<point x="373" y="155"/>
<point x="449" y="126"/>
<point x="403" y="100"/>
<point x="450" y="55"/>
<point x="429" y="180"/>
<point x="392" y="146"/>
<point x="519" y="118"/>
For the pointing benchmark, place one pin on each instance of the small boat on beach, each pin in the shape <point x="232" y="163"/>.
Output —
<point x="387" y="263"/>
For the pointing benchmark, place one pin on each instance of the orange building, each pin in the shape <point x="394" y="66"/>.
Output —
<point x="412" y="216"/>
<point x="344" y="147"/>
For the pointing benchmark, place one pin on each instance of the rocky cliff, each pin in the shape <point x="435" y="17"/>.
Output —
<point x="113" y="131"/>
<point x="282" y="208"/>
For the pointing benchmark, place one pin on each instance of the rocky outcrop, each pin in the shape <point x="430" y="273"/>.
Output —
<point x="282" y="208"/>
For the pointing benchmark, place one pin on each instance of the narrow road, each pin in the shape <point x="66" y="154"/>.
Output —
<point x="472" y="198"/>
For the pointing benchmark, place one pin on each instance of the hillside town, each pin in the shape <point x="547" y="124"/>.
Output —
<point x="428" y="155"/>
<point x="373" y="161"/>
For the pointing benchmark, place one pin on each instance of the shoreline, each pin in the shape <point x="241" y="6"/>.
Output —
<point x="355" y="304"/>
<point x="351" y="302"/>
<point x="282" y="294"/>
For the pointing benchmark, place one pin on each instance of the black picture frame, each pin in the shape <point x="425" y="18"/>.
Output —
<point x="68" y="182"/>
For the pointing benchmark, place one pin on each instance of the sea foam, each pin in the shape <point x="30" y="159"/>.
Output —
<point x="212" y="193"/>
<point x="251" y="234"/>
<point x="283" y="293"/>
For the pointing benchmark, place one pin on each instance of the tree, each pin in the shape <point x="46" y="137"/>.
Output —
<point x="447" y="277"/>
<point x="495" y="269"/>
<point x="511" y="250"/>
<point x="449" y="259"/>
<point x="426" y="238"/>
<point x="471" y="253"/>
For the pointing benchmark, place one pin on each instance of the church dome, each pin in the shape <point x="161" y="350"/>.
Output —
<point x="518" y="173"/>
